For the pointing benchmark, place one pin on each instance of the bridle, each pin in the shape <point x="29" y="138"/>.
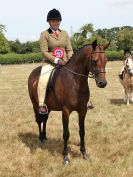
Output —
<point x="92" y="74"/>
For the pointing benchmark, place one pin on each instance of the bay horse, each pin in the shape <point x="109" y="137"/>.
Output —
<point x="69" y="91"/>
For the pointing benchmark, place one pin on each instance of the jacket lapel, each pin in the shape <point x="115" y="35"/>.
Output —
<point x="53" y="35"/>
<point x="59" y="34"/>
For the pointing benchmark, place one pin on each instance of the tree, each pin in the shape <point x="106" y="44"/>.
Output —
<point x="125" y="39"/>
<point x="114" y="35"/>
<point x="86" y="35"/>
<point x="86" y="29"/>
<point x="15" y="46"/>
<point x="2" y="28"/>
<point x="4" y="45"/>
<point x="22" y="48"/>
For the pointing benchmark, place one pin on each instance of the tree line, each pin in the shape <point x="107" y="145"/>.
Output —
<point x="119" y="37"/>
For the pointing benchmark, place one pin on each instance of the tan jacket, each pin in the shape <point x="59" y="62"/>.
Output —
<point x="48" y="41"/>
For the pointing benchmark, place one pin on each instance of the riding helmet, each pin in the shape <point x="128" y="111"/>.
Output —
<point x="54" y="14"/>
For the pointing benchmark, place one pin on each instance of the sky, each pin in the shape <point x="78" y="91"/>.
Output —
<point x="26" y="19"/>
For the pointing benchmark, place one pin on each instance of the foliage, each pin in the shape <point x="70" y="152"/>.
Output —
<point x="13" y="58"/>
<point x="4" y="46"/>
<point x="22" y="48"/>
<point x="85" y="36"/>
<point x="125" y="39"/>
<point x="120" y="37"/>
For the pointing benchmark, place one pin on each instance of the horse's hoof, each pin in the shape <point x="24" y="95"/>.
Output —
<point x="42" y="140"/>
<point x="85" y="156"/>
<point x="66" y="161"/>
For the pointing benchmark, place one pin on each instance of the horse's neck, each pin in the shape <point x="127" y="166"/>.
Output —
<point x="78" y="65"/>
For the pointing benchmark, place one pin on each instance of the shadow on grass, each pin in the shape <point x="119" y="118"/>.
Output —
<point x="118" y="102"/>
<point x="53" y="145"/>
<point x="31" y="140"/>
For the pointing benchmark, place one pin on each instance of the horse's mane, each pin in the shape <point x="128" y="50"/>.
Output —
<point x="76" y="52"/>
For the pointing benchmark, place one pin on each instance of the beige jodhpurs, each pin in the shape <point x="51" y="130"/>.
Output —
<point x="43" y="81"/>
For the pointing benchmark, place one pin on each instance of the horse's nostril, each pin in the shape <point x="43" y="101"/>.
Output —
<point x="102" y="83"/>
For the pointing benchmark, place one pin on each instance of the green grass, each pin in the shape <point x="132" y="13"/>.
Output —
<point x="109" y="131"/>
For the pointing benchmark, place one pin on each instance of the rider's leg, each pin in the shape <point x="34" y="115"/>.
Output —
<point x="42" y="86"/>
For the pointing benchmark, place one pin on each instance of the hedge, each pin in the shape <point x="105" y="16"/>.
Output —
<point x="114" y="55"/>
<point x="13" y="58"/>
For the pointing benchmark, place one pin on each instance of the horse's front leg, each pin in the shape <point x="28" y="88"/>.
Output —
<point x="82" y="115"/>
<point x="65" y="121"/>
<point x="126" y="98"/>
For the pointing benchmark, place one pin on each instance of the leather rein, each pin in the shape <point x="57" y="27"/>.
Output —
<point x="92" y="74"/>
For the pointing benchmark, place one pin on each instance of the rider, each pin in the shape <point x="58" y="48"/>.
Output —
<point x="56" y="49"/>
<point x="127" y="53"/>
<point x="55" y="46"/>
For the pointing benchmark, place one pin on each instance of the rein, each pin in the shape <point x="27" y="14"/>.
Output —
<point x="90" y="75"/>
<point x="78" y="74"/>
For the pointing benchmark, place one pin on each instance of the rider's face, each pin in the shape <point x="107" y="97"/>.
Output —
<point x="54" y="24"/>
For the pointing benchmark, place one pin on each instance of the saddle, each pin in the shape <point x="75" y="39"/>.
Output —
<point x="51" y="81"/>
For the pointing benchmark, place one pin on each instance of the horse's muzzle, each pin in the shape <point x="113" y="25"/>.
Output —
<point x="101" y="83"/>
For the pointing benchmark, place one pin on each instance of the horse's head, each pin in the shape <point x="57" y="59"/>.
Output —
<point x="97" y="63"/>
<point x="128" y="65"/>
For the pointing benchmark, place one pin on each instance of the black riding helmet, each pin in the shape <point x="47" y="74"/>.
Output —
<point x="127" y="50"/>
<point x="54" y="15"/>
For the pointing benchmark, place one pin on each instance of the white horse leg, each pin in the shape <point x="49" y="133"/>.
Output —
<point x="132" y="99"/>
<point x="127" y="101"/>
<point x="128" y="98"/>
<point x="125" y="97"/>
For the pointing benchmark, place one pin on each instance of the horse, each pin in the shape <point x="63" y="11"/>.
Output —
<point x="68" y="90"/>
<point x="127" y="80"/>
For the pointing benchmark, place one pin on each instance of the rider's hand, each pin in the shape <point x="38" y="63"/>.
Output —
<point x="59" y="61"/>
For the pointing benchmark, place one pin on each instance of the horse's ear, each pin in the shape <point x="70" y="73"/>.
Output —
<point x="94" y="44"/>
<point x="105" y="46"/>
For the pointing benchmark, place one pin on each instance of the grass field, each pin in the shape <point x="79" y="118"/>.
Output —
<point x="109" y="131"/>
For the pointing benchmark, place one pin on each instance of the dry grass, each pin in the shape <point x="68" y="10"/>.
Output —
<point x="109" y="132"/>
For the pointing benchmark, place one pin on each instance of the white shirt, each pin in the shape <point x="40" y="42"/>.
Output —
<point x="55" y="31"/>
